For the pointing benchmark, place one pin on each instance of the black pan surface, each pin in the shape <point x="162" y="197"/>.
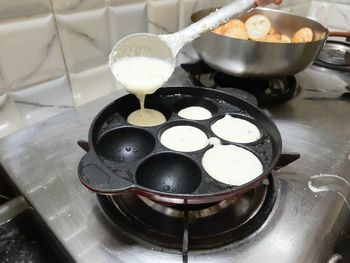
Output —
<point x="124" y="157"/>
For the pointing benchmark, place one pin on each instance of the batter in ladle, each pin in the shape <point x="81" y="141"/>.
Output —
<point x="142" y="76"/>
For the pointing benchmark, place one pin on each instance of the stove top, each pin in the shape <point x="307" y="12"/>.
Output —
<point x="261" y="92"/>
<point x="335" y="55"/>
<point x="197" y="227"/>
<point x="302" y="226"/>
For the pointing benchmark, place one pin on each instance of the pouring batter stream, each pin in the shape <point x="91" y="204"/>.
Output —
<point x="142" y="76"/>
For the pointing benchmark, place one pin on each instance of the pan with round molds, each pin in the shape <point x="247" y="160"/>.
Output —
<point x="173" y="162"/>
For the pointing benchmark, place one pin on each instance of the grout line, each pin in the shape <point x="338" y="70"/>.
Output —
<point x="43" y="105"/>
<point x="61" y="47"/>
<point x="159" y="27"/>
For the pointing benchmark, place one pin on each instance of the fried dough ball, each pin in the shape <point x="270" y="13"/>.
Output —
<point x="285" y="39"/>
<point x="258" y="26"/>
<point x="303" y="35"/>
<point x="237" y="32"/>
<point x="272" y="39"/>
<point x="234" y="23"/>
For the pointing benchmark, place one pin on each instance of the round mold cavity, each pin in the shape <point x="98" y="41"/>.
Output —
<point x="180" y="136"/>
<point x="154" y="103"/>
<point x="130" y="103"/>
<point x="235" y="172"/>
<point x="170" y="173"/>
<point x="196" y="101"/>
<point x="125" y="145"/>
<point x="239" y="138"/>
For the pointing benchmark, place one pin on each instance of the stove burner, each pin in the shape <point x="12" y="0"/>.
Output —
<point x="204" y="228"/>
<point x="267" y="91"/>
<point x="198" y="211"/>
<point x="335" y="55"/>
<point x="264" y="91"/>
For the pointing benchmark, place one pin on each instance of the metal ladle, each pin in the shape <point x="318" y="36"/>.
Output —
<point x="166" y="47"/>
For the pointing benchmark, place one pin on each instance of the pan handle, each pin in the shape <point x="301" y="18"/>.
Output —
<point x="84" y="145"/>
<point x="99" y="178"/>
<point x="285" y="159"/>
<point x="339" y="34"/>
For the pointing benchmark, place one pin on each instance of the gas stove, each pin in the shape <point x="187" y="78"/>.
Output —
<point x="261" y="92"/>
<point x="184" y="228"/>
<point x="281" y="221"/>
<point x="335" y="55"/>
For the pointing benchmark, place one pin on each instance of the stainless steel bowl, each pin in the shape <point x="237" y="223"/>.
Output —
<point x="246" y="58"/>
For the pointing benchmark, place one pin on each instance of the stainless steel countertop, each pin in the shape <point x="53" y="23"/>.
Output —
<point x="42" y="161"/>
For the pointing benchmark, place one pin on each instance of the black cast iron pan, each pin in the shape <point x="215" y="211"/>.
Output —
<point x="123" y="158"/>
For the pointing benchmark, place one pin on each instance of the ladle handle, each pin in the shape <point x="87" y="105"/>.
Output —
<point x="177" y="40"/>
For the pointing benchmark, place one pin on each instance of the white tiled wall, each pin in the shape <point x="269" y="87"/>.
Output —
<point x="300" y="8"/>
<point x="30" y="51"/>
<point x="163" y="16"/>
<point x="332" y="14"/>
<point x="75" y="6"/>
<point x="11" y="9"/>
<point x="30" y="56"/>
<point x="91" y="83"/>
<point x="53" y="92"/>
<point x="54" y="53"/>
<point x="88" y="31"/>
<point x="9" y="117"/>
<point x="84" y="38"/>
<point x="125" y="19"/>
